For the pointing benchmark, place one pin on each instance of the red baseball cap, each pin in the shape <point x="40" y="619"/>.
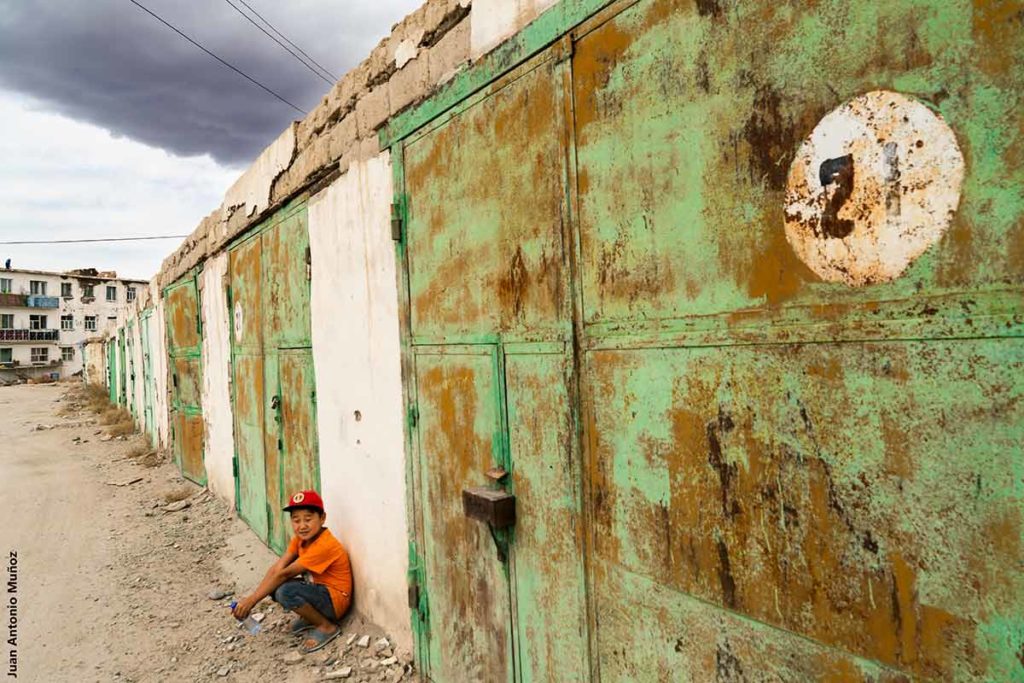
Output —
<point x="305" y="499"/>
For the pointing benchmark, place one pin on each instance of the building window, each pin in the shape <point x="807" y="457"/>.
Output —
<point x="130" y="294"/>
<point x="40" y="354"/>
<point x="37" y="287"/>
<point x="87" y="291"/>
<point x="90" y="323"/>
<point x="6" y="355"/>
<point x="67" y="353"/>
<point x="65" y="290"/>
<point x="7" y="321"/>
<point x="37" y="322"/>
<point x="67" y="322"/>
<point x="5" y="285"/>
<point x="111" y="293"/>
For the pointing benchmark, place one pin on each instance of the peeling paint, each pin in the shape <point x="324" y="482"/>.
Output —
<point x="875" y="184"/>
<point x="251" y="192"/>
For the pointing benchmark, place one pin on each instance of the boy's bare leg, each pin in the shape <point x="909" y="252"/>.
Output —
<point x="322" y="623"/>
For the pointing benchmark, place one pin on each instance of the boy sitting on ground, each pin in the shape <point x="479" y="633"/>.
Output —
<point x="314" y="549"/>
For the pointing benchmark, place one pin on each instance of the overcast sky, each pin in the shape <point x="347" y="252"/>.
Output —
<point x="113" y="125"/>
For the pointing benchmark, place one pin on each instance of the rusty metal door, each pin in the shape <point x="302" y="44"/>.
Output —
<point x="111" y="370"/>
<point x="491" y="381"/>
<point x="290" y="442"/>
<point x="122" y="371"/>
<point x="272" y="372"/>
<point x="801" y="331"/>
<point x="184" y="360"/>
<point x="246" y="303"/>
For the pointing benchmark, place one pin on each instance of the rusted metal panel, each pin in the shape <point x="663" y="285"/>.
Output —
<point x="798" y="311"/>
<point x="299" y="459"/>
<point x="184" y="335"/>
<point x="467" y="583"/>
<point x="547" y="551"/>
<point x="650" y="632"/>
<point x="821" y="489"/>
<point x="490" y="325"/>
<point x="187" y="380"/>
<point x="247" y="382"/>
<point x="248" y="409"/>
<point x="270" y="336"/>
<point x="741" y="183"/>
<point x="183" y="322"/>
<point x="487" y="256"/>
<point x="688" y="123"/>
<point x="191" y="436"/>
<point x="273" y="449"/>
<point x="286" y="279"/>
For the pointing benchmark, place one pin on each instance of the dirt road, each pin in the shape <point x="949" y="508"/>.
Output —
<point x="113" y="584"/>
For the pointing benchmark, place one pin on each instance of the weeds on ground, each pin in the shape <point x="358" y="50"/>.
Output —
<point x="122" y="428"/>
<point x="151" y="459"/>
<point x="176" y="494"/>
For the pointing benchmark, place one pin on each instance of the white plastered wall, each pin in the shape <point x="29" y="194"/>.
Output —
<point x="158" y="343"/>
<point x="356" y="352"/>
<point x="219" y="446"/>
<point x="493" y="21"/>
<point x="138" y="383"/>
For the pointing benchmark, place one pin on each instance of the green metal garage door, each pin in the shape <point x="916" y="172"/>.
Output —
<point x="733" y="291"/>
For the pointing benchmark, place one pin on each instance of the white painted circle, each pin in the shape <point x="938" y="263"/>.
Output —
<point x="875" y="184"/>
<point x="239" y="320"/>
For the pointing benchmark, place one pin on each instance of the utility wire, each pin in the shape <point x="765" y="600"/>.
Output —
<point x="233" y="68"/>
<point x="102" y="239"/>
<point x="286" y="48"/>
<point x="285" y="39"/>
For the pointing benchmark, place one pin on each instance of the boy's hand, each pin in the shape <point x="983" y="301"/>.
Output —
<point x="243" y="608"/>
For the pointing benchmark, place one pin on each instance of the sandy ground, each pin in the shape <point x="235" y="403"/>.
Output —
<point x="112" y="586"/>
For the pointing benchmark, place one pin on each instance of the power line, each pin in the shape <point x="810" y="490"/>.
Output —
<point x="285" y="39"/>
<point x="233" y="68"/>
<point x="286" y="48"/>
<point x="100" y="239"/>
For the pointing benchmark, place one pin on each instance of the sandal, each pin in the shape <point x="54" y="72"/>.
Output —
<point x="321" y="638"/>
<point x="299" y="626"/>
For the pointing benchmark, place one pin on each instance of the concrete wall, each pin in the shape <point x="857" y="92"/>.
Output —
<point x="494" y="21"/>
<point x="138" y="381"/>
<point x="359" y="390"/>
<point x="158" y="341"/>
<point x="95" y="362"/>
<point x="219" y="446"/>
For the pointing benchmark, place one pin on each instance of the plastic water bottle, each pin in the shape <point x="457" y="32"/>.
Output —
<point x="249" y="624"/>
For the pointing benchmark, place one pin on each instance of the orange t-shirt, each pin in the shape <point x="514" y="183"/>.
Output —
<point x="327" y="562"/>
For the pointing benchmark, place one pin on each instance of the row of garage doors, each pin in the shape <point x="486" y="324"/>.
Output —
<point x="721" y="462"/>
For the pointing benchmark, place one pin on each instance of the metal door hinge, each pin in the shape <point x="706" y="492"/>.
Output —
<point x="414" y="595"/>
<point x="413" y="416"/>
<point x="396" y="222"/>
<point x="234" y="467"/>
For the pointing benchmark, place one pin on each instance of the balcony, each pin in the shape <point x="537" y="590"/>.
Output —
<point x="43" y="301"/>
<point x="29" y="335"/>
<point x="8" y="299"/>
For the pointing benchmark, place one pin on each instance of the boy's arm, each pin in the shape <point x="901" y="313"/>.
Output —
<point x="286" y="567"/>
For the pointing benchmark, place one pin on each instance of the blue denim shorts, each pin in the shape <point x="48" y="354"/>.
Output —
<point x="295" y="593"/>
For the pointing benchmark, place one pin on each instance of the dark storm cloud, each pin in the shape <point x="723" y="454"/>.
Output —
<point x="110" y="64"/>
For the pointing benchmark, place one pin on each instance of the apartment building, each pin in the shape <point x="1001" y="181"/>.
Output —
<point x="46" y="317"/>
